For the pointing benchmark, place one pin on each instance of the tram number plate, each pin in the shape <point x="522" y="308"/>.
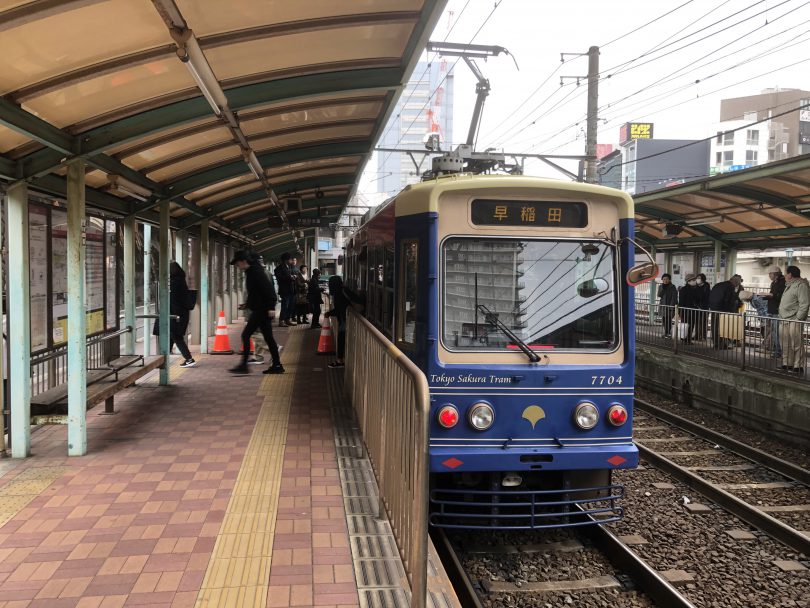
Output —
<point x="609" y="380"/>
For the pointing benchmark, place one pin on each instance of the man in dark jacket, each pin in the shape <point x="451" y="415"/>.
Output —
<point x="723" y="299"/>
<point x="774" y="299"/>
<point x="688" y="300"/>
<point x="667" y="300"/>
<point x="261" y="301"/>
<point x="286" y="290"/>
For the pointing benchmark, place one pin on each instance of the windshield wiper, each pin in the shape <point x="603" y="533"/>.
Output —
<point x="492" y="318"/>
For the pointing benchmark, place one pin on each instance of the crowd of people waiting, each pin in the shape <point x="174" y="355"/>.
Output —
<point x="701" y="307"/>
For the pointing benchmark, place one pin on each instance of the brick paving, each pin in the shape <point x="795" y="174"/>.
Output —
<point x="135" y="521"/>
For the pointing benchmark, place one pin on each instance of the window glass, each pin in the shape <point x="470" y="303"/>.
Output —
<point x="751" y="157"/>
<point x="38" y="269"/>
<point x="728" y="138"/>
<point x="59" y="275"/>
<point x="752" y="137"/>
<point x="94" y="275"/>
<point x="549" y="294"/>
<point x="111" y="268"/>
<point x="410" y="259"/>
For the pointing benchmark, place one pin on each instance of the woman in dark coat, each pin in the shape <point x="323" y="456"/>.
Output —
<point x="178" y="301"/>
<point x="315" y="299"/>
<point x="702" y="319"/>
<point x="667" y="300"/>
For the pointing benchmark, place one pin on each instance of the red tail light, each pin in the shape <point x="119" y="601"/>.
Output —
<point x="617" y="415"/>
<point x="448" y="416"/>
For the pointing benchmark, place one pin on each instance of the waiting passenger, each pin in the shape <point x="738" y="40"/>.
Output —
<point x="315" y="298"/>
<point x="286" y="290"/>
<point x="774" y="298"/>
<point x="688" y="297"/>
<point x="667" y="300"/>
<point x="702" y="318"/>
<point x="301" y="298"/>
<point x="341" y="300"/>
<point x="793" y="308"/>
<point x="723" y="300"/>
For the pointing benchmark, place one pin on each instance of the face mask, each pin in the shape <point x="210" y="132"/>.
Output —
<point x="700" y="281"/>
<point x="692" y="283"/>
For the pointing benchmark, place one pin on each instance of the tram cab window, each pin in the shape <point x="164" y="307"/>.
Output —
<point x="388" y="286"/>
<point x="406" y="325"/>
<point x="552" y="294"/>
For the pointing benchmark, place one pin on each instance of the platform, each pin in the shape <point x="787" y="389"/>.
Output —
<point x="218" y="490"/>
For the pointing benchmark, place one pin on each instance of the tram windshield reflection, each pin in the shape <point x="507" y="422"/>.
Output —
<point x="552" y="294"/>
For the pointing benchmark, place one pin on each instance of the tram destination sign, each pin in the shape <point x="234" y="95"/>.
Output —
<point x="310" y="222"/>
<point x="552" y="214"/>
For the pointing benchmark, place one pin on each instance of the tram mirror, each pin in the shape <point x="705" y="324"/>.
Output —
<point x="592" y="287"/>
<point x="589" y="249"/>
<point x="641" y="273"/>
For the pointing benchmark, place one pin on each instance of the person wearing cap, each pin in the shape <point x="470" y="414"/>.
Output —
<point x="794" y="307"/>
<point x="688" y="297"/>
<point x="774" y="298"/>
<point x="261" y="301"/>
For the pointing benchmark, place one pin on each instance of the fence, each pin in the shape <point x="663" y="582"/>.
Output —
<point x="746" y="340"/>
<point x="390" y="396"/>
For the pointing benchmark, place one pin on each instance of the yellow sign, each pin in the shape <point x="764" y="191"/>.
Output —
<point x="534" y="413"/>
<point x="95" y="324"/>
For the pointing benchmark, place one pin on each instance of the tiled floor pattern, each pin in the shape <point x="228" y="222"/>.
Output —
<point x="239" y="570"/>
<point x="312" y="561"/>
<point x="136" y="520"/>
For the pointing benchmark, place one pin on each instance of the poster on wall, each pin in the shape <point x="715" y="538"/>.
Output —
<point x="58" y="273"/>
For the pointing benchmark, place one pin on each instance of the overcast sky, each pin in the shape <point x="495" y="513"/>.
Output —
<point x="669" y="62"/>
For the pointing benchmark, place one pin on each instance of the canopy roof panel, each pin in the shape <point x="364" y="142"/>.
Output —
<point x="219" y="107"/>
<point x="755" y="208"/>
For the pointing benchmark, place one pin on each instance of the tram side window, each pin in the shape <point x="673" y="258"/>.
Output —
<point x="388" y="315"/>
<point x="407" y="314"/>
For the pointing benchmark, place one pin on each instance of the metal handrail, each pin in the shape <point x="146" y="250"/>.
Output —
<point x="61" y="350"/>
<point x="391" y="398"/>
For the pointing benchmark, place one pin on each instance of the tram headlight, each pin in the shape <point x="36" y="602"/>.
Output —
<point x="617" y="415"/>
<point x="481" y="416"/>
<point x="448" y="416"/>
<point x="586" y="415"/>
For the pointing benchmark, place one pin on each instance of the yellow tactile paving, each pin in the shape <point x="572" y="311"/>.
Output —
<point x="239" y="570"/>
<point x="25" y="487"/>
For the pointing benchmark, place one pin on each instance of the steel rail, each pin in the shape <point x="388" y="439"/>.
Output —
<point x="462" y="584"/>
<point x="783" y="467"/>
<point x="660" y="590"/>
<point x="748" y="513"/>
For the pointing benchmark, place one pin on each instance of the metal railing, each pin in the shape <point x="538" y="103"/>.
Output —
<point x="390" y="396"/>
<point x="50" y="369"/>
<point x="746" y="340"/>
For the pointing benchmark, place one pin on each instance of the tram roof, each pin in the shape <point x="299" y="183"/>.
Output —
<point x="305" y="86"/>
<point x="757" y="208"/>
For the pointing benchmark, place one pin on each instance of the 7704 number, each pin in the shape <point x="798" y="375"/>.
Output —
<point x="609" y="380"/>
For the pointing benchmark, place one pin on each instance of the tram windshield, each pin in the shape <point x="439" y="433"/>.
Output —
<point x="551" y="294"/>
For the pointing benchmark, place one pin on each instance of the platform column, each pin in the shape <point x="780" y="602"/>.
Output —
<point x="204" y="297"/>
<point x="226" y="284"/>
<point x="77" y="316"/>
<point x="653" y="290"/>
<point x="130" y="226"/>
<point x="718" y="254"/>
<point x="2" y="345"/>
<point x="731" y="262"/>
<point x="194" y="317"/>
<point x="147" y="297"/>
<point x="19" y="317"/>
<point x="163" y="291"/>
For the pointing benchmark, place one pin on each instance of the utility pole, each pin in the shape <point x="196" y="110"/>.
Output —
<point x="593" y="102"/>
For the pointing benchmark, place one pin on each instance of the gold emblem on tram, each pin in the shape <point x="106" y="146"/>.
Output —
<point x="534" y="413"/>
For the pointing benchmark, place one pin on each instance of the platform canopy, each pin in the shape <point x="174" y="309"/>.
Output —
<point x="757" y="208"/>
<point x="225" y="108"/>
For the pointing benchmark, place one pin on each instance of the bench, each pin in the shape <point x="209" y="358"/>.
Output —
<point x="102" y="385"/>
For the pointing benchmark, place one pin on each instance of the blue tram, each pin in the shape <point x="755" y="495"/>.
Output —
<point x="514" y="295"/>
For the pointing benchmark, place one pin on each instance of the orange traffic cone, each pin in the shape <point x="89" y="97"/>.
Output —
<point x="222" y="344"/>
<point x="252" y="348"/>
<point x="326" y="345"/>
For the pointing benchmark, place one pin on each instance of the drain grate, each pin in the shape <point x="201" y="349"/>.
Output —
<point x="366" y="547"/>
<point x="367" y="525"/>
<point x="384" y="598"/>
<point x="380" y="572"/>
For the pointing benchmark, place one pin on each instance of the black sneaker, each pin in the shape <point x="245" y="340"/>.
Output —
<point x="188" y="363"/>
<point x="240" y="369"/>
<point x="336" y="365"/>
<point x="274" y="369"/>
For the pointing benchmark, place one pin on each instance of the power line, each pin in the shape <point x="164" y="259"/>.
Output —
<point x="641" y="27"/>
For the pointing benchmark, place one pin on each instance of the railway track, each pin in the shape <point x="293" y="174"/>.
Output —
<point x="612" y="574"/>
<point x="768" y="493"/>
